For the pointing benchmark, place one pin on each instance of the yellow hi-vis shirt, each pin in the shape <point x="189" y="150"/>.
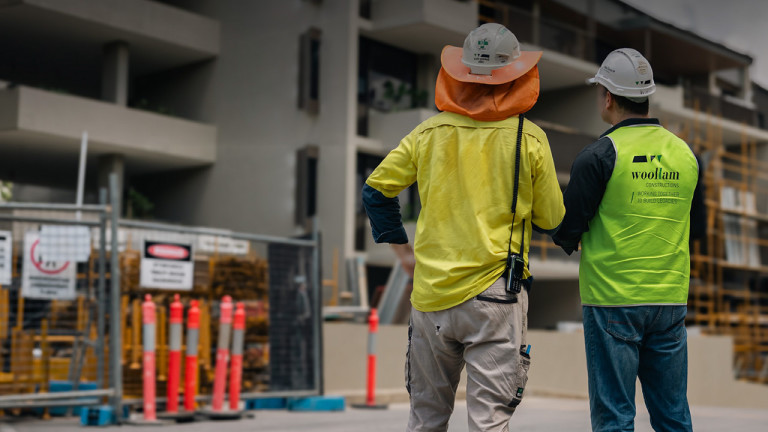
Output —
<point x="465" y="172"/>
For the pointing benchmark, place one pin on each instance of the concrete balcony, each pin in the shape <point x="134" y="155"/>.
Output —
<point x="672" y="105"/>
<point x="422" y="26"/>
<point x="159" y="36"/>
<point x="390" y="127"/>
<point x="40" y="132"/>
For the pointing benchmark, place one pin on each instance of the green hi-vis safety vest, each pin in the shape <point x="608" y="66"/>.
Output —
<point x="636" y="249"/>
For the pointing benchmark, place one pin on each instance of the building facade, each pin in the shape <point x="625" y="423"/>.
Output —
<point x="257" y="116"/>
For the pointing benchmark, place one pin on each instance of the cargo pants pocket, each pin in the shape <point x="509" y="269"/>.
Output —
<point x="521" y="377"/>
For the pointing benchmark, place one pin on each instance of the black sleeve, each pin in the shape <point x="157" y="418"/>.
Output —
<point x="698" y="206"/>
<point x="589" y="175"/>
<point x="384" y="215"/>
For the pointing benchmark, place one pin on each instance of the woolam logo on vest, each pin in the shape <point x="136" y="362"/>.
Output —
<point x="657" y="174"/>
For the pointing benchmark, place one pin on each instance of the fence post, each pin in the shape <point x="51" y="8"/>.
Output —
<point x="114" y="313"/>
<point x="102" y="291"/>
<point x="317" y="294"/>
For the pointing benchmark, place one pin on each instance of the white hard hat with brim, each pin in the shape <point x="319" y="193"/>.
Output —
<point x="451" y="60"/>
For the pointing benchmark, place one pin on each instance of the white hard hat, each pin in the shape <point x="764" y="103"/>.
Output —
<point x="489" y="47"/>
<point x="625" y="72"/>
<point x="491" y="55"/>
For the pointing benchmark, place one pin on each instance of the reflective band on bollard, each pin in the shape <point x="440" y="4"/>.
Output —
<point x="370" y="395"/>
<point x="222" y="353"/>
<point x="149" y="332"/>
<point x="373" y="328"/>
<point x="190" y="373"/>
<point x="174" y="355"/>
<point x="236" y="366"/>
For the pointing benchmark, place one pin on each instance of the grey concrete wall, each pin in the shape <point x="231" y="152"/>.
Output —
<point x="112" y="128"/>
<point x="145" y="18"/>
<point x="552" y="301"/>
<point x="558" y="367"/>
<point x="573" y="107"/>
<point x="251" y="94"/>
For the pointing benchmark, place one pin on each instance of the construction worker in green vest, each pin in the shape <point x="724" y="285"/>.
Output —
<point x="634" y="200"/>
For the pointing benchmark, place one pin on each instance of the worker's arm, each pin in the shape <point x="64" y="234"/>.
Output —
<point x="547" y="210"/>
<point x="396" y="172"/>
<point x="589" y="175"/>
<point x="698" y="206"/>
<point x="405" y="254"/>
<point x="384" y="215"/>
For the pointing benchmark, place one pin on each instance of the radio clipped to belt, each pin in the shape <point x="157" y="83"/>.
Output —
<point x="515" y="269"/>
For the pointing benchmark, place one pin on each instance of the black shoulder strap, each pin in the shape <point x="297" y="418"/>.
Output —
<point x="518" y="148"/>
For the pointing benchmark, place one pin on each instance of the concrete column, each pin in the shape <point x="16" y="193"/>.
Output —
<point x="647" y="45"/>
<point x="746" y="84"/>
<point x="591" y="36"/>
<point x="114" y="73"/>
<point x="427" y="75"/>
<point x="536" y="23"/>
<point x="108" y="164"/>
<point x="712" y="84"/>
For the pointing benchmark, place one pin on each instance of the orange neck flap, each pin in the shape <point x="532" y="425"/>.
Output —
<point x="484" y="102"/>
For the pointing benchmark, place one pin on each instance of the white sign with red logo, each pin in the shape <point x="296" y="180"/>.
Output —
<point x="6" y="252"/>
<point x="42" y="279"/>
<point x="166" y="265"/>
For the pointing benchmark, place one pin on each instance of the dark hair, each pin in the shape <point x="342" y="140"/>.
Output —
<point x="639" y="108"/>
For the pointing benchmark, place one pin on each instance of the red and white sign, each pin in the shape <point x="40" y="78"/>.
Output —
<point x="166" y="265"/>
<point x="168" y="251"/>
<point x="44" y="279"/>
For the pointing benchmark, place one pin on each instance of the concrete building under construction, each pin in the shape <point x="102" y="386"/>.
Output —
<point x="258" y="116"/>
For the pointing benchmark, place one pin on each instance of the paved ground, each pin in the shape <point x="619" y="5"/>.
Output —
<point x="536" y="415"/>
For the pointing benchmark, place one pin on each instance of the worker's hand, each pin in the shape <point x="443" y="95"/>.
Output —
<point x="405" y="254"/>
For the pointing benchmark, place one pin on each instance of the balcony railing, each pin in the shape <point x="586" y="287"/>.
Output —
<point x="702" y="100"/>
<point x="552" y="34"/>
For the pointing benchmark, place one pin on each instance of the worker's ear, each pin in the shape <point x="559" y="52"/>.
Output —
<point x="608" y="100"/>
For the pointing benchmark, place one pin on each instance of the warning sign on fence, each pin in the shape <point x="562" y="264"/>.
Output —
<point x="166" y="265"/>
<point x="6" y="253"/>
<point x="43" y="279"/>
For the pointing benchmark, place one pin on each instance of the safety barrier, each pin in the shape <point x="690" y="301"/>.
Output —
<point x="55" y="298"/>
<point x="83" y="334"/>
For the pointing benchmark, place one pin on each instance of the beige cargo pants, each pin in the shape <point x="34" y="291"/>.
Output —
<point x="488" y="334"/>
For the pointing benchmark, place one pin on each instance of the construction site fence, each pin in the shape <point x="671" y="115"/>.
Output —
<point x="70" y="308"/>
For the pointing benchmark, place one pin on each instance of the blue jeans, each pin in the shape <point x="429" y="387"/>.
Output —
<point x="624" y="343"/>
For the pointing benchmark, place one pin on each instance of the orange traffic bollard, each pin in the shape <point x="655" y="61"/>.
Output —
<point x="370" y="397"/>
<point x="215" y="411"/>
<point x="190" y="374"/>
<point x="236" y="364"/>
<point x="222" y="353"/>
<point x="148" y="315"/>
<point x="174" y="355"/>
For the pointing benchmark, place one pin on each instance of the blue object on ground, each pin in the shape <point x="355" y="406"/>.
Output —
<point x="101" y="415"/>
<point x="266" y="404"/>
<point x="65" y="386"/>
<point x="317" y="403"/>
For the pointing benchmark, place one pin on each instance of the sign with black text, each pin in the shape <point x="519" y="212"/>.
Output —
<point x="45" y="279"/>
<point x="166" y="265"/>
